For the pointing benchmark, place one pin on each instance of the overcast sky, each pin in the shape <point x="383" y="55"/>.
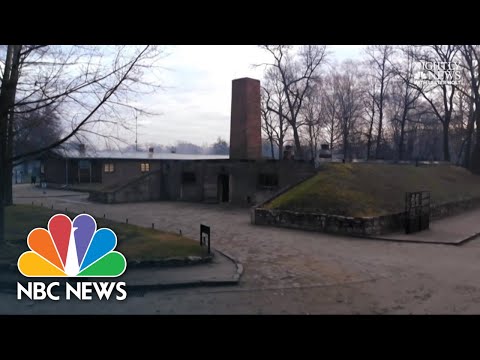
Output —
<point x="195" y="104"/>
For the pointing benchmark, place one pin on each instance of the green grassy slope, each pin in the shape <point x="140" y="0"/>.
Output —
<point x="376" y="189"/>
<point x="135" y="242"/>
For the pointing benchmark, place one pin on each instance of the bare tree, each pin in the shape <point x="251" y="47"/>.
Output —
<point x="91" y="84"/>
<point x="311" y="114"/>
<point x="331" y="125"/>
<point x="297" y="70"/>
<point x="267" y="121"/>
<point x="380" y="56"/>
<point x="462" y="125"/>
<point x="439" y="95"/>
<point x="405" y="95"/>
<point x="34" y="130"/>
<point x="274" y="112"/>
<point x="347" y="92"/>
<point x="370" y="105"/>
<point x="471" y="65"/>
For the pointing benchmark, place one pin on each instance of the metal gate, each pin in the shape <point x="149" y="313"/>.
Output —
<point x="417" y="211"/>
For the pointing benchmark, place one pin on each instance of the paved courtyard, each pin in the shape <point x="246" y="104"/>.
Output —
<point x="285" y="271"/>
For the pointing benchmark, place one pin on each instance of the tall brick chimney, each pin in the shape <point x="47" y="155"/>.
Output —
<point x="245" y="123"/>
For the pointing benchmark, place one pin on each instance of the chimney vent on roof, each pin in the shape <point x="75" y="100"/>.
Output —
<point x="81" y="149"/>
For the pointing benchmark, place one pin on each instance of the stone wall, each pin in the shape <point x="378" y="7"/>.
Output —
<point x="354" y="226"/>
<point x="439" y="211"/>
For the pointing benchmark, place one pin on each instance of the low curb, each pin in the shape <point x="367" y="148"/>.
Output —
<point x="171" y="262"/>
<point x="165" y="263"/>
<point x="198" y="283"/>
<point x="456" y="243"/>
<point x="239" y="272"/>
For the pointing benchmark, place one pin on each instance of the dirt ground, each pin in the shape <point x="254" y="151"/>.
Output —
<point x="286" y="271"/>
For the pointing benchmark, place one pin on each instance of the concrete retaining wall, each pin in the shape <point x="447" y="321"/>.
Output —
<point x="355" y="226"/>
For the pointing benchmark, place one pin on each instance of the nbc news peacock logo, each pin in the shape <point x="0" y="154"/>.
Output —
<point x="72" y="249"/>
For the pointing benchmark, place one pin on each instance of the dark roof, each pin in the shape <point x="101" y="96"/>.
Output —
<point x="139" y="155"/>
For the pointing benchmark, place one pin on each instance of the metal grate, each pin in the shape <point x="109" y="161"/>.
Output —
<point x="417" y="211"/>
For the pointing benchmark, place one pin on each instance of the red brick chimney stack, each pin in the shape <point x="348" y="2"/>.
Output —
<point x="245" y="125"/>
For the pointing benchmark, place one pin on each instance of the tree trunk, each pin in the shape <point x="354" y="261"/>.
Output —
<point x="468" y="143"/>
<point x="8" y="185"/>
<point x="298" y="147"/>
<point x="446" y="147"/>
<point x="380" y="119"/>
<point x="271" y="147"/>
<point x="475" y="159"/>
<point x="3" y="136"/>
<point x="402" y="135"/>
<point x="7" y="101"/>
<point x="10" y="116"/>
<point x="8" y="163"/>
<point x="369" y="141"/>
<point x="331" y="143"/>
<point x="401" y="141"/>
<point x="312" y="145"/>
<point x="280" y="148"/>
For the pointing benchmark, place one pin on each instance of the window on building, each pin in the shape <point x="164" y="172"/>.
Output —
<point x="268" y="180"/>
<point x="145" y="167"/>
<point x="188" y="178"/>
<point x="109" y="168"/>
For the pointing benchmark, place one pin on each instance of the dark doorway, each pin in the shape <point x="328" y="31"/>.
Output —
<point x="84" y="171"/>
<point x="223" y="188"/>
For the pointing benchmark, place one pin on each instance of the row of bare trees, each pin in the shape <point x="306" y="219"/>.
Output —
<point x="52" y="94"/>
<point x="380" y="106"/>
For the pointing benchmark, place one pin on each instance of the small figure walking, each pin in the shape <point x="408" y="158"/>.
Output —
<point x="34" y="180"/>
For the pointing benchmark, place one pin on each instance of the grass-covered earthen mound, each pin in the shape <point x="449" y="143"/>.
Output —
<point x="376" y="189"/>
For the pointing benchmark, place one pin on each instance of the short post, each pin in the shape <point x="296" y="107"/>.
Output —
<point x="104" y="216"/>
<point x="126" y="220"/>
<point x="205" y="230"/>
<point x="66" y="209"/>
<point x="153" y="226"/>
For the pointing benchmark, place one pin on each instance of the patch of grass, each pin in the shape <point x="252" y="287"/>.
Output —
<point x="376" y="189"/>
<point x="135" y="242"/>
